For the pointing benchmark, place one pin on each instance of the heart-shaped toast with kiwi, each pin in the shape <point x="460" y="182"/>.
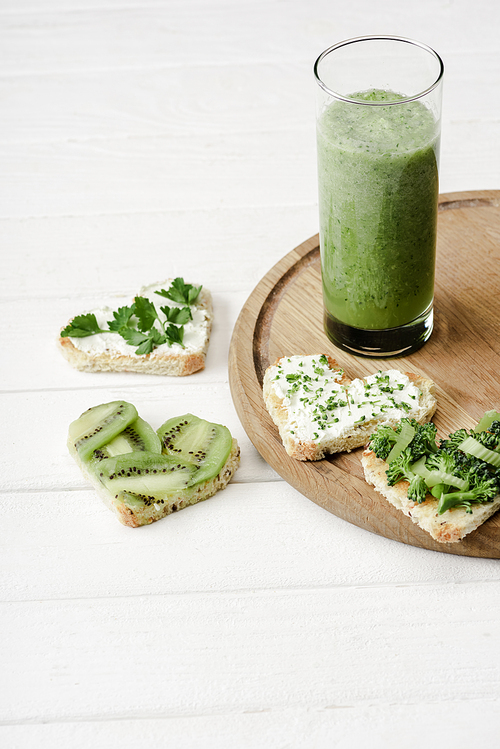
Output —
<point x="143" y="475"/>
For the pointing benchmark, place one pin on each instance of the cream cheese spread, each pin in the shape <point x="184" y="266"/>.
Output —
<point x="320" y="408"/>
<point x="196" y="331"/>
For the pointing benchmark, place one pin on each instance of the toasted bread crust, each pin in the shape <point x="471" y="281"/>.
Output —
<point x="309" y="450"/>
<point x="447" y="528"/>
<point x="175" y="365"/>
<point x="171" y="364"/>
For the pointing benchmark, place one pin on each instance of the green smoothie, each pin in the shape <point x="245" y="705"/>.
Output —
<point x="378" y="191"/>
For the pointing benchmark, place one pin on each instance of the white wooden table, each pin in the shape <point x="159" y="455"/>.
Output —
<point x="141" y="140"/>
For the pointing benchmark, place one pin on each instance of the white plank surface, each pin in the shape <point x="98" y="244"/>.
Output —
<point x="178" y="654"/>
<point x="140" y="140"/>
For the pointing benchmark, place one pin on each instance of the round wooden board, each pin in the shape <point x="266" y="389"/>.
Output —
<point x="283" y="316"/>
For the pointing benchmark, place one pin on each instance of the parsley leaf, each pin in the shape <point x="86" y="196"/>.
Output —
<point x="154" y="339"/>
<point x="146" y="313"/>
<point x="122" y="318"/>
<point x="181" y="292"/>
<point x="179" y="315"/>
<point x="82" y="326"/>
<point x="175" y="335"/>
<point x="149" y="340"/>
<point x="146" y="346"/>
<point x="139" y="324"/>
<point x="133" y="336"/>
<point x="145" y="342"/>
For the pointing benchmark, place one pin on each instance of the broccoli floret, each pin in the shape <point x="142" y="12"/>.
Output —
<point x="480" y="480"/>
<point x="463" y="461"/>
<point x="484" y="490"/>
<point x="424" y="441"/>
<point x="401" y="469"/>
<point x="382" y="440"/>
<point x="442" y="461"/>
<point x="488" y="439"/>
<point x="494" y="428"/>
<point x="496" y="473"/>
<point x="468" y="466"/>
<point x="474" y="469"/>
<point x="486" y="423"/>
<point x="417" y="490"/>
<point x="483" y="479"/>
<point x="454" y="440"/>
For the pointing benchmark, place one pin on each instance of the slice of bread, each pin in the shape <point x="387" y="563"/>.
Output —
<point x="449" y="527"/>
<point x="109" y="352"/>
<point x="137" y="513"/>
<point x="303" y="393"/>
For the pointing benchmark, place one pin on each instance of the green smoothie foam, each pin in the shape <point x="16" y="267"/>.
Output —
<point x="378" y="191"/>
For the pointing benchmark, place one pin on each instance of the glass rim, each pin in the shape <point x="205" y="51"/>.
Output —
<point x="377" y="37"/>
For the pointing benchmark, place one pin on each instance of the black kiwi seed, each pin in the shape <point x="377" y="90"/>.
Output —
<point x="200" y="442"/>
<point x="141" y="469"/>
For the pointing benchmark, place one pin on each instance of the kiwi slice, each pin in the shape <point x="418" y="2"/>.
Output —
<point x="201" y="442"/>
<point x="99" y="425"/>
<point x="145" y="474"/>
<point x="139" y="502"/>
<point x="139" y="436"/>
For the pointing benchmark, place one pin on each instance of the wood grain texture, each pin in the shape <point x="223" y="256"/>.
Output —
<point x="283" y="316"/>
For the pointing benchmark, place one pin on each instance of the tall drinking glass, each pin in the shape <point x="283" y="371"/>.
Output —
<point x="378" y="131"/>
